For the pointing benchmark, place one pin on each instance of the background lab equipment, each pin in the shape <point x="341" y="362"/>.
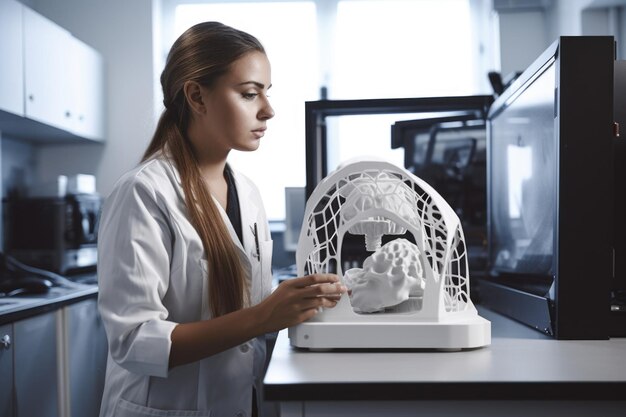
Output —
<point x="54" y="233"/>
<point x="554" y="251"/>
<point x="582" y="135"/>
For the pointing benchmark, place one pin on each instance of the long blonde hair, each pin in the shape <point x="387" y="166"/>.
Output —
<point x="202" y="54"/>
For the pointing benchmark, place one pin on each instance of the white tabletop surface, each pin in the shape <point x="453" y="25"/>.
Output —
<point x="519" y="357"/>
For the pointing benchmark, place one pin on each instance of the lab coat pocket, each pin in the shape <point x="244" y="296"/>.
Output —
<point x="126" y="408"/>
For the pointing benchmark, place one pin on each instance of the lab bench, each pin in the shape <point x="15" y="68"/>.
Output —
<point x="24" y="306"/>
<point x="523" y="372"/>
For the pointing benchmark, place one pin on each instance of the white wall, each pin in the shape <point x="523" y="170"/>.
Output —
<point x="486" y="39"/>
<point x="522" y="39"/>
<point x="17" y="162"/>
<point x="564" y="18"/>
<point x="524" y="33"/>
<point x="121" y="31"/>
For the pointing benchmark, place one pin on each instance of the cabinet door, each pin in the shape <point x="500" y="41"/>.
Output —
<point x="6" y="370"/>
<point x="35" y="366"/>
<point x="11" y="51"/>
<point x="86" y="357"/>
<point x="87" y="90"/>
<point x="46" y="71"/>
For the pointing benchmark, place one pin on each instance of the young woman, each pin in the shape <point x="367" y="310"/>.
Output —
<point x="184" y="248"/>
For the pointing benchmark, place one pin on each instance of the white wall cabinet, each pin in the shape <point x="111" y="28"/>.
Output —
<point x="86" y="90"/>
<point x="50" y="78"/>
<point x="11" y="56"/>
<point x="46" y="78"/>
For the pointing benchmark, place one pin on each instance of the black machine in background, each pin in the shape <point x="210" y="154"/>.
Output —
<point x="461" y="108"/>
<point x="54" y="234"/>
<point x="458" y="120"/>
<point x="552" y="192"/>
<point x="566" y="278"/>
<point x="449" y="153"/>
<point x="618" y="283"/>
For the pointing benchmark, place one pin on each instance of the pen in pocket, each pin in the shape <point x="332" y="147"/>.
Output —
<point x="255" y="232"/>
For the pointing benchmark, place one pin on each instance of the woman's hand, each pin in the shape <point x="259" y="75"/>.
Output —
<point x="298" y="299"/>
<point x="293" y="302"/>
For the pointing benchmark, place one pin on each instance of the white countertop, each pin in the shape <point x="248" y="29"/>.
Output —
<point x="22" y="306"/>
<point x="521" y="363"/>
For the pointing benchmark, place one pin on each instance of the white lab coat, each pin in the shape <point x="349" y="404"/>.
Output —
<point x="152" y="275"/>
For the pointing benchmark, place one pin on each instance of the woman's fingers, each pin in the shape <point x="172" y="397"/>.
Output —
<point x="317" y="285"/>
<point x="314" y="279"/>
<point x="333" y="297"/>
<point x="329" y="303"/>
<point x="314" y="303"/>
<point x="323" y="290"/>
<point x="298" y="299"/>
<point x="308" y="314"/>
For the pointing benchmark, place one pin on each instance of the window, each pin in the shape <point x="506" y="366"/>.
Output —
<point x="401" y="48"/>
<point x="355" y="48"/>
<point x="393" y="49"/>
<point x="291" y="45"/>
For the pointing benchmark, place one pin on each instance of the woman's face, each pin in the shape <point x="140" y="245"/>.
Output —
<point x="237" y="108"/>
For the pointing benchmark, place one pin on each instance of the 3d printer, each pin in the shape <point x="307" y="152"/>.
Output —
<point x="413" y="291"/>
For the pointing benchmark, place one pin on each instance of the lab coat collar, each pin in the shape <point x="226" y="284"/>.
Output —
<point x="247" y="204"/>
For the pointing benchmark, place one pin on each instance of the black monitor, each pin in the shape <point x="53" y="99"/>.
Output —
<point x="550" y="190"/>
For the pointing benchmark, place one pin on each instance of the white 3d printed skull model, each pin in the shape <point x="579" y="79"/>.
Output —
<point x="426" y="282"/>
<point x="387" y="193"/>
<point x="387" y="278"/>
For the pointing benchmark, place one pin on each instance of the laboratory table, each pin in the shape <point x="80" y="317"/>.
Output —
<point x="523" y="372"/>
<point x="79" y="288"/>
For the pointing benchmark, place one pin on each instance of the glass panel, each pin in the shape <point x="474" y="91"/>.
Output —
<point x="523" y="178"/>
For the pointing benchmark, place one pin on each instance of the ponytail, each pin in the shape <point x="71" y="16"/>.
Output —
<point x="227" y="289"/>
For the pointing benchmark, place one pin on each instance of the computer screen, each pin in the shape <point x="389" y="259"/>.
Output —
<point x="523" y="193"/>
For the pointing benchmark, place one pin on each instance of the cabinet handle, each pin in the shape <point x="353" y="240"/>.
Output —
<point x="5" y="342"/>
<point x="68" y="114"/>
<point x="31" y="97"/>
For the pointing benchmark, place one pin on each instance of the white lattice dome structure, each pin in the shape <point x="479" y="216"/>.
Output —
<point x="376" y="198"/>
